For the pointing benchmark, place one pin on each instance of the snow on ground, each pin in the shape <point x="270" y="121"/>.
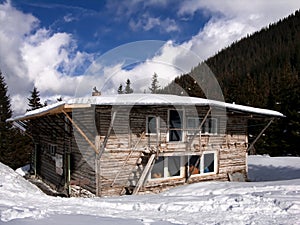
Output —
<point x="275" y="199"/>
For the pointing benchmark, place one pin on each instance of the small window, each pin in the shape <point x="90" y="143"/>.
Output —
<point x="208" y="163"/>
<point x="175" y="125"/>
<point x="210" y="126"/>
<point x="158" y="168"/>
<point x="173" y="165"/>
<point x="152" y="124"/>
<point x="194" y="163"/>
<point x="51" y="149"/>
<point x="193" y="124"/>
<point x="165" y="167"/>
<point x="202" y="165"/>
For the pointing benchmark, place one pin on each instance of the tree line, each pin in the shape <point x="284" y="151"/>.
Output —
<point x="260" y="70"/>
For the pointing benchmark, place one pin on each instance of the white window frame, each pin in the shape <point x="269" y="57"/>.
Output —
<point x="215" y="163"/>
<point x="157" y="125"/>
<point x="201" y="165"/>
<point x="166" y="170"/>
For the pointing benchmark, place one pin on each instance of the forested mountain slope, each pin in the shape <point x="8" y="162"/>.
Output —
<point x="261" y="70"/>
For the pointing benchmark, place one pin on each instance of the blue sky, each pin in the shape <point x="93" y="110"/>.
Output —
<point x="99" y="26"/>
<point x="64" y="48"/>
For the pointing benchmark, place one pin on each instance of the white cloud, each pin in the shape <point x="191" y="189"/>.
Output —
<point x="147" y="23"/>
<point x="33" y="56"/>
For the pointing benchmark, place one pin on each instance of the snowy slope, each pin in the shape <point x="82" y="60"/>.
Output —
<point x="264" y="202"/>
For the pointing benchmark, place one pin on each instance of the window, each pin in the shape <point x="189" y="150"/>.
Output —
<point x="175" y="125"/>
<point x="152" y="124"/>
<point x="192" y="124"/>
<point x="51" y="149"/>
<point x="165" y="167"/>
<point x="207" y="163"/>
<point x="210" y="126"/>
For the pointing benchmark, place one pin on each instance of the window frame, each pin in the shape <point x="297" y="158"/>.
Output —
<point x="183" y="122"/>
<point x="166" y="175"/>
<point x="201" y="164"/>
<point x="157" y="124"/>
<point x="207" y="126"/>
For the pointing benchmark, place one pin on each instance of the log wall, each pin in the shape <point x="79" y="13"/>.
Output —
<point x="128" y="146"/>
<point x="129" y="141"/>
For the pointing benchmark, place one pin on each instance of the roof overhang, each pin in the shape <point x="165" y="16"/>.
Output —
<point x="52" y="109"/>
<point x="142" y="99"/>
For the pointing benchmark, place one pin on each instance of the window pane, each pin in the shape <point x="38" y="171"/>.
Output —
<point x="194" y="164"/>
<point x="175" y="122"/>
<point x="151" y="121"/>
<point x="173" y="166"/>
<point x="209" y="163"/>
<point x="213" y="126"/>
<point x="192" y="125"/>
<point x="158" y="168"/>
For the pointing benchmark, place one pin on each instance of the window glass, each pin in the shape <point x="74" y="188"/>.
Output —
<point x="158" y="168"/>
<point x="192" y="124"/>
<point x="165" y="167"/>
<point x="151" y="125"/>
<point x="205" y="164"/>
<point x="213" y="126"/>
<point x="175" y="125"/>
<point x="173" y="166"/>
<point x="210" y="126"/>
<point x="194" y="164"/>
<point x="208" y="162"/>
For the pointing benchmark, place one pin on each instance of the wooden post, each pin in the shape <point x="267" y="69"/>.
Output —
<point x="98" y="177"/>
<point x="143" y="175"/>
<point x="258" y="136"/>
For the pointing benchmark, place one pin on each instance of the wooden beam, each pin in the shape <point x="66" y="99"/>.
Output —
<point x="144" y="174"/>
<point x="259" y="135"/>
<point x="199" y="128"/>
<point x="81" y="132"/>
<point x="108" y="134"/>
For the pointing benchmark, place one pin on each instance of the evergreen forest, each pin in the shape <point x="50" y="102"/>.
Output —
<point x="260" y="70"/>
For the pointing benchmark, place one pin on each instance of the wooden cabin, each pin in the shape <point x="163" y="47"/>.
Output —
<point x="140" y="143"/>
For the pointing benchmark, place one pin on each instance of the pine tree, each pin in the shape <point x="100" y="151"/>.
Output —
<point x="15" y="147"/>
<point x="34" y="100"/>
<point x="120" y="89"/>
<point x="128" y="89"/>
<point x="154" y="85"/>
<point x="5" y="113"/>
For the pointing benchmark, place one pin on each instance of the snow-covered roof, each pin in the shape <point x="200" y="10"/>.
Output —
<point x="144" y="99"/>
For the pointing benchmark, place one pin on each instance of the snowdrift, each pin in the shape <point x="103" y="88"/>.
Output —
<point x="273" y="200"/>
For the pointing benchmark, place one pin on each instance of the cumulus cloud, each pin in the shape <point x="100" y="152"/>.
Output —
<point x="34" y="56"/>
<point x="147" y="23"/>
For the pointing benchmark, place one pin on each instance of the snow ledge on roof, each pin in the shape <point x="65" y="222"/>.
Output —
<point x="149" y="99"/>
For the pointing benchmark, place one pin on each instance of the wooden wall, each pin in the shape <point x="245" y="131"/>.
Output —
<point x="128" y="147"/>
<point x="57" y="130"/>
